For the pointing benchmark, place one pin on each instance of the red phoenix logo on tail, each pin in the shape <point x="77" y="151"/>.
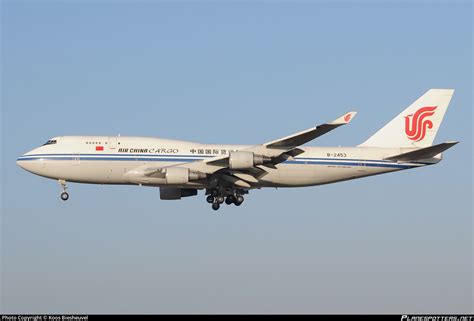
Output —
<point x="416" y="124"/>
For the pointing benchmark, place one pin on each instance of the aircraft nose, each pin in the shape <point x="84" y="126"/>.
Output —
<point x="30" y="164"/>
<point x="22" y="162"/>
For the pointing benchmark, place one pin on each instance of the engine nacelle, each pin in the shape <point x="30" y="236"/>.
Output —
<point x="243" y="160"/>
<point x="173" y="193"/>
<point x="181" y="175"/>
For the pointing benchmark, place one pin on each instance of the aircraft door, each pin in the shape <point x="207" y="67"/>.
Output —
<point x="113" y="143"/>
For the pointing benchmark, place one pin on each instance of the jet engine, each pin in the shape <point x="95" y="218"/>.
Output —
<point x="243" y="160"/>
<point x="180" y="175"/>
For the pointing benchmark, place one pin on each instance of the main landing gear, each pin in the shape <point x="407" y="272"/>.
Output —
<point x="64" y="194"/>
<point x="216" y="198"/>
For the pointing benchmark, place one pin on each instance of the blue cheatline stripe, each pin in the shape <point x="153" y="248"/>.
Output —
<point x="192" y="156"/>
<point x="186" y="158"/>
<point x="133" y="159"/>
<point x="181" y="157"/>
<point x="346" y="159"/>
<point x="127" y="155"/>
<point x="393" y="165"/>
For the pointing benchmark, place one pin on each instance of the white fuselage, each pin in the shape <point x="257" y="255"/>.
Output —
<point x="114" y="160"/>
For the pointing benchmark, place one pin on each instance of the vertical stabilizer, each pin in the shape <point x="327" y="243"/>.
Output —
<point x="417" y="125"/>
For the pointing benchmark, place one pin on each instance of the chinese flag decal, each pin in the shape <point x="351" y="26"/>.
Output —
<point x="99" y="148"/>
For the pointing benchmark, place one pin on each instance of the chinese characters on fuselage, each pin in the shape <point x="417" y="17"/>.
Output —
<point x="193" y="151"/>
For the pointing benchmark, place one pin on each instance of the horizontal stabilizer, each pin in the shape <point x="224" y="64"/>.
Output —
<point x="422" y="153"/>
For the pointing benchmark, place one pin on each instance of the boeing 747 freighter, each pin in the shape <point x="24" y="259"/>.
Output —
<point x="228" y="172"/>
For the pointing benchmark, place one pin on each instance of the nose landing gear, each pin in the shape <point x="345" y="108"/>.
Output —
<point x="64" y="194"/>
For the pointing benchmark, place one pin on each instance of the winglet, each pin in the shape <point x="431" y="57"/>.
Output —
<point x="344" y="119"/>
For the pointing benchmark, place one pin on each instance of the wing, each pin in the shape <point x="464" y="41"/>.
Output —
<point x="277" y="150"/>
<point x="305" y="136"/>
<point x="268" y="155"/>
<point x="288" y="143"/>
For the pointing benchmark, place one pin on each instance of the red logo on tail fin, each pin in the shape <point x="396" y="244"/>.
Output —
<point x="416" y="124"/>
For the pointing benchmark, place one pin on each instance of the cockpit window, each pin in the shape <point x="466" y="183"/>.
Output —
<point x="50" y="142"/>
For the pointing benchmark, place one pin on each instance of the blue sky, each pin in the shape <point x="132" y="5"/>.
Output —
<point x="244" y="73"/>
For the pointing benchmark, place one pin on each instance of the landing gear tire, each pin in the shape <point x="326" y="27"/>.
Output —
<point x="230" y="199"/>
<point x="215" y="206"/>
<point x="220" y="199"/>
<point x="210" y="199"/>
<point x="64" y="196"/>
<point x="239" y="200"/>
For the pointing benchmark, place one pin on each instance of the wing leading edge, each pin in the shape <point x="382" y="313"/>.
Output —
<point x="252" y="163"/>
<point x="278" y="150"/>
<point x="270" y="154"/>
<point x="305" y="136"/>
